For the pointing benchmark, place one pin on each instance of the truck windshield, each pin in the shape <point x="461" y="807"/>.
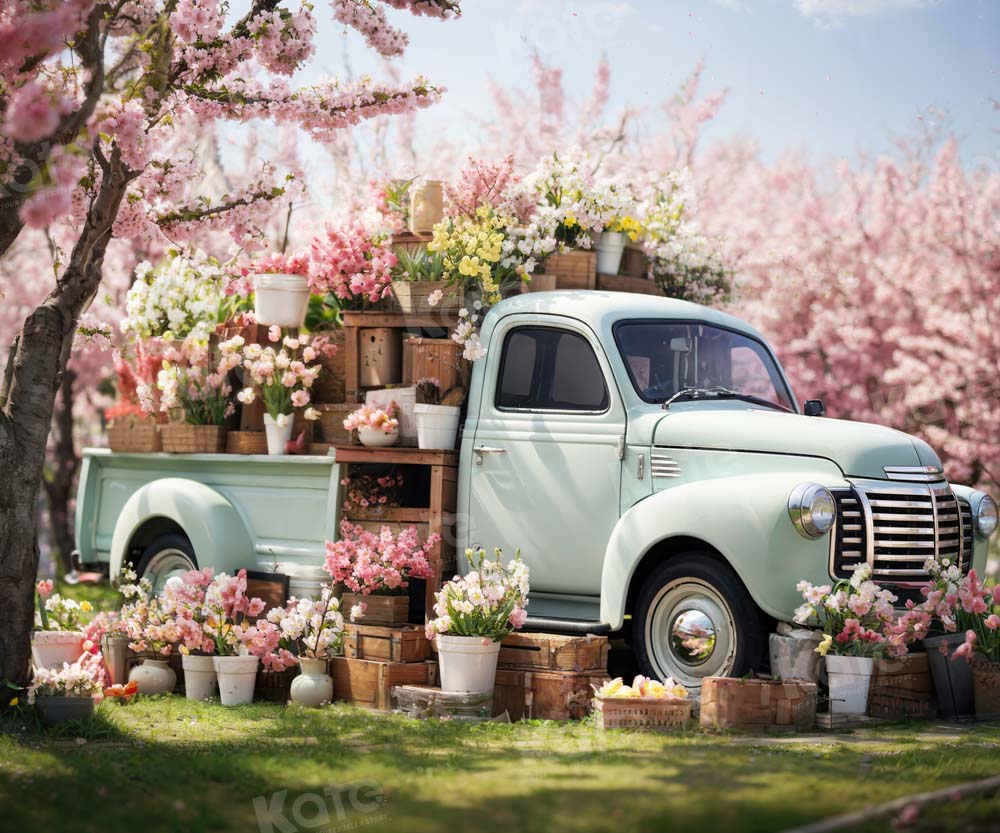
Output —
<point x="666" y="357"/>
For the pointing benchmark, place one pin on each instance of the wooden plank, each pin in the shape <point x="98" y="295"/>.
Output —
<point x="401" y="320"/>
<point x="392" y="514"/>
<point x="396" y="455"/>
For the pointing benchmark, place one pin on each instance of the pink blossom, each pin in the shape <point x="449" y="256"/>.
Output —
<point x="44" y="588"/>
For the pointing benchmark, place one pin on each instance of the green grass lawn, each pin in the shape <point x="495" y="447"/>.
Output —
<point x="163" y="764"/>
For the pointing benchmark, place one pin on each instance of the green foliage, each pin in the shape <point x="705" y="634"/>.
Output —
<point x="419" y="265"/>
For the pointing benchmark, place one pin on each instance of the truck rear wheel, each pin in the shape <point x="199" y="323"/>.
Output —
<point x="168" y="555"/>
<point x="694" y="619"/>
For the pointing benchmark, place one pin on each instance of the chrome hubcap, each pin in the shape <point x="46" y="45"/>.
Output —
<point x="165" y="565"/>
<point x="690" y="632"/>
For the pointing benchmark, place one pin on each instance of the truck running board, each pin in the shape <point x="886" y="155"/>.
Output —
<point x="543" y="624"/>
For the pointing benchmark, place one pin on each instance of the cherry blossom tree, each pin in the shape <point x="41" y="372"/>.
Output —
<point x="99" y="101"/>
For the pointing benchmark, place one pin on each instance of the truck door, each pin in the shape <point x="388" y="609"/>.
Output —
<point x="546" y="474"/>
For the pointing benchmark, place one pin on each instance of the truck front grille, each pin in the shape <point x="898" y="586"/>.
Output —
<point x="895" y="527"/>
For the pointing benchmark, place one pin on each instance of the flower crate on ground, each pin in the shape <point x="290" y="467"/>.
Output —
<point x="554" y="652"/>
<point x="734" y="703"/>
<point x="405" y="644"/>
<point x="428" y="701"/>
<point x="369" y="684"/>
<point x="643" y="713"/>
<point x="545" y="695"/>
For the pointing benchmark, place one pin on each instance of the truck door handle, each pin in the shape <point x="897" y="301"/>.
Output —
<point x="486" y="449"/>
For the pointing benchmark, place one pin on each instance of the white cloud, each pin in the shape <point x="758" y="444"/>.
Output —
<point x="856" y="8"/>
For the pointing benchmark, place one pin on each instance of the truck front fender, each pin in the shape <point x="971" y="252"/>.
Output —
<point x="215" y="529"/>
<point x="744" y="519"/>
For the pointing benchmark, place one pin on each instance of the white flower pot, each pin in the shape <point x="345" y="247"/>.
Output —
<point x="280" y="299"/>
<point x="313" y="687"/>
<point x="610" y="246"/>
<point x="200" y="680"/>
<point x="437" y="425"/>
<point x="376" y="437"/>
<point x="278" y="435"/>
<point x="50" y="649"/>
<point x="849" y="680"/>
<point x="154" y="676"/>
<point x="237" y="678"/>
<point x="467" y="663"/>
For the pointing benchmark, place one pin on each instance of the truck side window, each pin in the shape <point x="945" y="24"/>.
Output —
<point x="548" y="369"/>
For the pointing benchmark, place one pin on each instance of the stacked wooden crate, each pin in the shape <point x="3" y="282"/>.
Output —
<point x="549" y="676"/>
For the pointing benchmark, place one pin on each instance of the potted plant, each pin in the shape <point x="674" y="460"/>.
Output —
<point x="377" y="569"/>
<point x="437" y="424"/>
<point x="376" y="427"/>
<point x="153" y="634"/>
<point x="854" y="616"/>
<point x="67" y="692"/>
<point x="240" y="641"/>
<point x="474" y="613"/>
<point x="419" y="283"/>
<point x="283" y="377"/>
<point x="57" y="638"/>
<point x="183" y="599"/>
<point x="281" y="288"/>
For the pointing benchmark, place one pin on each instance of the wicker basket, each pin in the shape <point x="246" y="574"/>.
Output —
<point x="412" y="296"/>
<point x="898" y="703"/>
<point x="648" y="714"/>
<point x="275" y="686"/>
<point x="246" y="442"/>
<point x="181" y="438"/>
<point x="134" y="437"/>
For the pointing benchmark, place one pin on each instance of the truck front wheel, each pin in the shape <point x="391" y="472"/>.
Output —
<point x="694" y="619"/>
<point x="168" y="555"/>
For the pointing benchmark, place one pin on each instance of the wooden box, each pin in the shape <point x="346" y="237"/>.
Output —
<point x="410" y="242"/>
<point x="331" y="422"/>
<point x="381" y="357"/>
<point x="545" y="695"/>
<point x="181" y="438"/>
<point x="902" y="688"/>
<point x="379" y="610"/>
<point x="433" y="358"/>
<point x="331" y="383"/>
<point x="576" y="269"/>
<point x="555" y="652"/>
<point x="635" y="262"/>
<point x="403" y="644"/>
<point x="369" y="684"/>
<point x="727" y="702"/>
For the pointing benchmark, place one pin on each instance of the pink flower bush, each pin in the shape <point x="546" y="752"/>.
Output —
<point x="353" y="263"/>
<point x="296" y="263"/>
<point x="380" y="564"/>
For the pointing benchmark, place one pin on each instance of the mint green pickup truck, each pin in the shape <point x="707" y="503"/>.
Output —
<point x="646" y="455"/>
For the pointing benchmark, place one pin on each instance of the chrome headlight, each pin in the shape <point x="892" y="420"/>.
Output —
<point x="812" y="509"/>
<point x="986" y="516"/>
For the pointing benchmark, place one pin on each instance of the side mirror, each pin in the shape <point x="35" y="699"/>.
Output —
<point x="814" y="407"/>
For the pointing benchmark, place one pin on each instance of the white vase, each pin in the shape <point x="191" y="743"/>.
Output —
<point x="376" y="437"/>
<point x="200" y="680"/>
<point x="313" y="687"/>
<point x="280" y="299"/>
<point x="50" y="649"/>
<point x="849" y="680"/>
<point x="277" y="435"/>
<point x="610" y="246"/>
<point x="154" y="676"/>
<point x="237" y="678"/>
<point x="467" y="663"/>
<point x="437" y="425"/>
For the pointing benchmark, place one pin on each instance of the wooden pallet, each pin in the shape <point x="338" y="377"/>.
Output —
<point x="369" y="684"/>
<point x="554" y="652"/>
<point x="545" y="695"/>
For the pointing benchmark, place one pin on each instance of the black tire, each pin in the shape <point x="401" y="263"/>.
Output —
<point x="165" y="556"/>
<point x="690" y="589"/>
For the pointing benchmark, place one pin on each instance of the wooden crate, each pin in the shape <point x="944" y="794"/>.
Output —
<point x="545" y="695"/>
<point x="379" y="610"/>
<point x="369" y="684"/>
<point x="902" y="688"/>
<point x="434" y="358"/>
<point x="645" y="714"/>
<point x="330" y="385"/>
<point x="635" y="262"/>
<point x="410" y="242"/>
<point x="727" y="702"/>
<point x="555" y="652"/>
<point x="429" y="701"/>
<point x="576" y="269"/>
<point x="412" y="296"/>
<point x="402" y="644"/>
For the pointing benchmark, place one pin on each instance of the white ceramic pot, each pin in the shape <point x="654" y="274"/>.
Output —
<point x="376" y="437"/>
<point x="313" y="687"/>
<point x="280" y="299"/>
<point x="610" y="246"/>
<point x="277" y="435"/>
<point x="154" y="676"/>
<point x="849" y="680"/>
<point x="437" y="425"/>
<point x="237" y="678"/>
<point x="467" y="663"/>
<point x="50" y="649"/>
<point x="200" y="680"/>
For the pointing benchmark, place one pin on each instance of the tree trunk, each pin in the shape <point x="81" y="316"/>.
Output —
<point x="28" y="400"/>
<point x="64" y="466"/>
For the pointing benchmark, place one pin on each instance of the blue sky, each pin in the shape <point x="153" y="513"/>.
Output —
<point x="836" y="77"/>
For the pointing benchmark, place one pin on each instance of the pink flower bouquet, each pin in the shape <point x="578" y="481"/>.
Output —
<point x="378" y="419"/>
<point x="381" y="564"/>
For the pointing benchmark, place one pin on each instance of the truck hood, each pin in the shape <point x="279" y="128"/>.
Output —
<point x="860" y="449"/>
